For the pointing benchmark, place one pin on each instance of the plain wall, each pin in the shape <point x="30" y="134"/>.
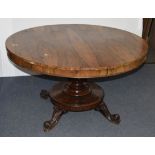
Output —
<point x="10" y="26"/>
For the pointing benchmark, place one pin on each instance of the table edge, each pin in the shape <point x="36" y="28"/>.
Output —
<point x="75" y="73"/>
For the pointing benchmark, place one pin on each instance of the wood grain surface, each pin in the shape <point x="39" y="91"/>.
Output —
<point x="76" y="51"/>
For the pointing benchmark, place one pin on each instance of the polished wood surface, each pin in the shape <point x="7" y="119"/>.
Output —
<point x="76" y="95"/>
<point x="76" y="51"/>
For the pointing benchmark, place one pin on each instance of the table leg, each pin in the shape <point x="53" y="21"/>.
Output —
<point x="76" y="95"/>
<point x="57" y="113"/>
<point x="114" y="118"/>
<point x="44" y="94"/>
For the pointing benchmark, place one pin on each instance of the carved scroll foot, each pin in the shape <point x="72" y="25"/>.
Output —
<point x="114" y="118"/>
<point x="57" y="113"/>
<point x="44" y="94"/>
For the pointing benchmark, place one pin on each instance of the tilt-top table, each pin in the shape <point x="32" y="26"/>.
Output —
<point x="77" y="52"/>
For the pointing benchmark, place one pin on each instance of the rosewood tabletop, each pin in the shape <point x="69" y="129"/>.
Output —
<point x="77" y="52"/>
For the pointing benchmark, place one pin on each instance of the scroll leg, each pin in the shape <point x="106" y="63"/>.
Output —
<point x="44" y="94"/>
<point x="57" y="113"/>
<point x="114" y="118"/>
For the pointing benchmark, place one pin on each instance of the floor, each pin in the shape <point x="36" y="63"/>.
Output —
<point x="22" y="111"/>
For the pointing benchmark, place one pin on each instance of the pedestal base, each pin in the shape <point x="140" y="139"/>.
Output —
<point x="76" y="95"/>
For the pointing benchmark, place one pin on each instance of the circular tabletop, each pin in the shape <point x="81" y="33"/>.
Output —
<point x="76" y="50"/>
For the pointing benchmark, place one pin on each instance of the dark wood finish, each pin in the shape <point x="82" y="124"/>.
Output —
<point x="57" y="113"/>
<point x="149" y="35"/>
<point x="77" y="52"/>
<point x="114" y="118"/>
<point x="76" y="95"/>
<point x="147" y="22"/>
<point x="152" y="36"/>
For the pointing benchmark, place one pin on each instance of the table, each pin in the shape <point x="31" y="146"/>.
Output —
<point x="77" y="52"/>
